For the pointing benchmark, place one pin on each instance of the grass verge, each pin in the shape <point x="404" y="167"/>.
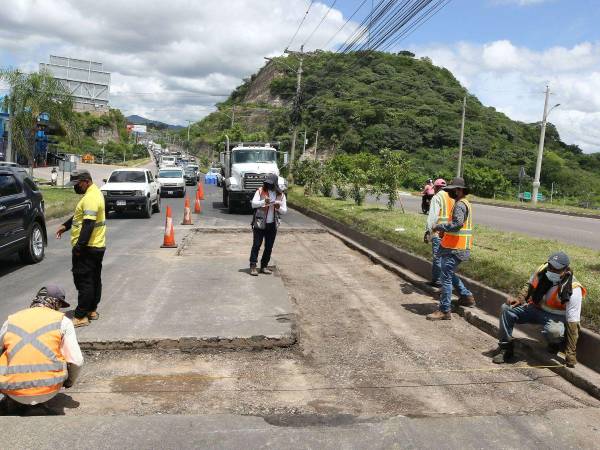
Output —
<point x="59" y="202"/>
<point x="499" y="259"/>
<point x="135" y="162"/>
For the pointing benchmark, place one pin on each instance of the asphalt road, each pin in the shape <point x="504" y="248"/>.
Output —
<point x="573" y="230"/>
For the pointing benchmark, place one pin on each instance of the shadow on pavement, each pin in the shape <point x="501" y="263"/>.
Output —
<point x="421" y="309"/>
<point x="10" y="265"/>
<point x="53" y="407"/>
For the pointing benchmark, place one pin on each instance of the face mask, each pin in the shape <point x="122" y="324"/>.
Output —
<point x="553" y="277"/>
<point x="79" y="190"/>
<point x="452" y="194"/>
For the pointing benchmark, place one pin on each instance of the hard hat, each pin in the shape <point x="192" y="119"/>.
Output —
<point x="440" y="182"/>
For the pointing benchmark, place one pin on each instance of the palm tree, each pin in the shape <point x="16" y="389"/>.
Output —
<point x="32" y="94"/>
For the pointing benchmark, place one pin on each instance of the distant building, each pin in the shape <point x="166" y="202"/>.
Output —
<point x="86" y="80"/>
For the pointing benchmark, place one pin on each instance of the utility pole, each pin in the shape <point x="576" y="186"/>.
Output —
<point x="296" y="111"/>
<point x="188" y="134"/>
<point x="232" y="115"/>
<point x="304" y="144"/>
<point x="462" y="137"/>
<point x="538" y="166"/>
<point x="316" y="142"/>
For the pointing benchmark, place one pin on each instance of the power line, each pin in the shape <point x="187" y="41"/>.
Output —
<point x="300" y="25"/>
<point x="320" y="23"/>
<point x="345" y="23"/>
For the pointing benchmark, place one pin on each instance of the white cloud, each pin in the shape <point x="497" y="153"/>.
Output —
<point x="206" y="47"/>
<point x="512" y="79"/>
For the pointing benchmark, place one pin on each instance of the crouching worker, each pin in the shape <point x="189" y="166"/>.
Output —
<point x="40" y="353"/>
<point x="551" y="298"/>
<point x="269" y="204"/>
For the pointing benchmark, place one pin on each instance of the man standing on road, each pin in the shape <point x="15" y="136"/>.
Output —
<point x="88" y="238"/>
<point x="269" y="203"/>
<point x="456" y="245"/>
<point x="39" y="350"/>
<point x="439" y="213"/>
<point x="551" y="298"/>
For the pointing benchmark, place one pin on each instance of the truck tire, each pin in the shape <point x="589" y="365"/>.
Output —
<point x="147" y="209"/>
<point x="34" y="251"/>
<point x="230" y="207"/>
<point x="225" y="197"/>
<point x="156" y="207"/>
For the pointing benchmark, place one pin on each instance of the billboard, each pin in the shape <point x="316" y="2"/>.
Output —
<point x="139" y="129"/>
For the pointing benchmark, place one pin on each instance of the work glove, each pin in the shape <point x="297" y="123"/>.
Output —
<point x="572" y="333"/>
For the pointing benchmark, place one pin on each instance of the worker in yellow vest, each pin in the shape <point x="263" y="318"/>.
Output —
<point x="439" y="213"/>
<point x="456" y="245"/>
<point x="40" y="353"/>
<point x="551" y="298"/>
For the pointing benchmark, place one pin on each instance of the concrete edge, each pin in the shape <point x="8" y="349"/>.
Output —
<point x="488" y="299"/>
<point x="541" y="210"/>
<point x="197" y="344"/>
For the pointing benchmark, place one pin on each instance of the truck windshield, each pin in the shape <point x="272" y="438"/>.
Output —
<point x="170" y="174"/>
<point x="127" y="177"/>
<point x="254" y="156"/>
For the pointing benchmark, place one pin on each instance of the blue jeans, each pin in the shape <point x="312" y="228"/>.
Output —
<point x="554" y="324"/>
<point x="436" y="263"/>
<point x="449" y="264"/>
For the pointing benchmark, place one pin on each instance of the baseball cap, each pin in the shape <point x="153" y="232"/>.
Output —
<point x="55" y="291"/>
<point x="79" y="175"/>
<point x="559" y="260"/>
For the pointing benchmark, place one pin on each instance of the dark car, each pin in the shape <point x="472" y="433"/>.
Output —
<point x="22" y="221"/>
<point x="191" y="176"/>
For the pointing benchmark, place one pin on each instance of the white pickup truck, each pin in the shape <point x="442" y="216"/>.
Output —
<point x="132" y="190"/>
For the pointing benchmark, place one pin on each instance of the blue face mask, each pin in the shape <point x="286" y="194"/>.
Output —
<point x="553" y="277"/>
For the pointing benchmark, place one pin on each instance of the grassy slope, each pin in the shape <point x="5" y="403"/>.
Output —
<point x="59" y="202"/>
<point x="499" y="259"/>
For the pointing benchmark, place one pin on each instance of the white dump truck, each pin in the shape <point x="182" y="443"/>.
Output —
<point x="245" y="167"/>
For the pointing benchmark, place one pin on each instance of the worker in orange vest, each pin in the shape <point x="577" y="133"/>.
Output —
<point x="40" y="353"/>
<point x="456" y="245"/>
<point x="439" y="213"/>
<point x="552" y="298"/>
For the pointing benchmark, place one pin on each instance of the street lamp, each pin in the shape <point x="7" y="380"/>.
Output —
<point x="538" y="166"/>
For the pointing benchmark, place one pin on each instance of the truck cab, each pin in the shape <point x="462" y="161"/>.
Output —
<point x="245" y="169"/>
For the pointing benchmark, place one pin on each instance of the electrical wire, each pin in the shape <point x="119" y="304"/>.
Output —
<point x="320" y="23"/>
<point x="300" y="25"/>
<point x="345" y="23"/>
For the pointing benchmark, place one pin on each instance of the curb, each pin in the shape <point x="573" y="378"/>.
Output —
<point x="541" y="210"/>
<point x="417" y="270"/>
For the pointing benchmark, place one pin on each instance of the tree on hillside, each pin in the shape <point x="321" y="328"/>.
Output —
<point x="31" y="95"/>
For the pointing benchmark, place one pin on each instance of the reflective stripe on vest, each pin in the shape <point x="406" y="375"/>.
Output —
<point x="446" y="208"/>
<point x="31" y="363"/>
<point x="550" y="302"/>
<point x="463" y="238"/>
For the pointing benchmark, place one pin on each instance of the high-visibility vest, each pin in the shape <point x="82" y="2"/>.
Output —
<point x="550" y="302"/>
<point x="446" y="209"/>
<point x="31" y="363"/>
<point x="463" y="238"/>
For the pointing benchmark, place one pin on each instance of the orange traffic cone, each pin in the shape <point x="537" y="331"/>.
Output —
<point x="197" y="205"/>
<point x="169" y="239"/>
<point x="200" y="191"/>
<point x="187" y="215"/>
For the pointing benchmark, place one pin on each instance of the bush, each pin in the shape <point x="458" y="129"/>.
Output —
<point x="389" y="175"/>
<point x="484" y="181"/>
<point x="342" y="191"/>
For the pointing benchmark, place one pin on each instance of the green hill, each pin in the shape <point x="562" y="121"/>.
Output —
<point x="370" y="101"/>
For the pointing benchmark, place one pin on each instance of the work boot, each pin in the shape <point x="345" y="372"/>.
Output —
<point x="439" y="315"/>
<point x="266" y="270"/>
<point x="93" y="315"/>
<point x="253" y="271"/>
<point x="467" y="301"/>
<point x="83" y="322"/>
<point x="505" y="353"/>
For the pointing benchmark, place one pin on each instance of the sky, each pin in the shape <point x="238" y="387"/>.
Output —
<point x="173" y="60"/>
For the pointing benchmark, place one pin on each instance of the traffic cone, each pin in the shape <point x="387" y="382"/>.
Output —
<point x="187" y="215"/>
<point x="169" y="239"/>
<point x="197" y="205"/>
<point x="200" y="191"/>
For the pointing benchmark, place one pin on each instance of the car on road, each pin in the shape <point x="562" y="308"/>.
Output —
<point x="172" y="181"/>
<point x="218" y="172"/>
<point x="191" y="176"/>
<point x="132" y="189"/>
<point x="22" y="219"/>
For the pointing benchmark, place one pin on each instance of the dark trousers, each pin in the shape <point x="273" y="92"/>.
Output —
<point x="268" y="234"/>
<point x="87" y="271"/>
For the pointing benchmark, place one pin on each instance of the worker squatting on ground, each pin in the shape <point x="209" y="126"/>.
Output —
<point x="88" y="238"/>
<point x="40" y="353"/>
<point x="455" y="247"/>
<point x="269" y="203"/>
<point x="552" y="298"/>
<point x="439" y="213"/>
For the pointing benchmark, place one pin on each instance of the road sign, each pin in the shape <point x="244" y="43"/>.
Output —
<point x="526" y="195"/>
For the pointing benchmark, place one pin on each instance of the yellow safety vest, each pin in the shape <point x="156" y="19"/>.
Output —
<point x="446" y="209"/>
<point x="463" y="238"/>
<point x="91" y="206"/>
<point x="31" y="363"/>
<point x="550" y="302"/>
